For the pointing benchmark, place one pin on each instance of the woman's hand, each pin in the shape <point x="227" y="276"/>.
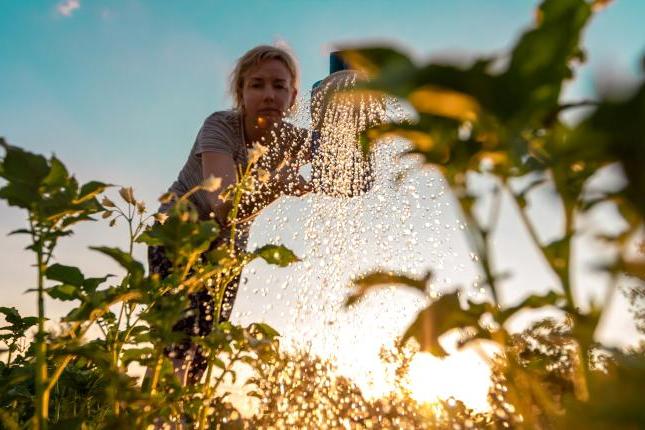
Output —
<point x="288" y="181"/>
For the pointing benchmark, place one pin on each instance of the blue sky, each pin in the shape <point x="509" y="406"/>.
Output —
<point x="131" y="79"/>
<point x="119" y="89"/>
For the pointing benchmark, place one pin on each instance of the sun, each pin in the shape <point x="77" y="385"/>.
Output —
<point x="464" y="375"/>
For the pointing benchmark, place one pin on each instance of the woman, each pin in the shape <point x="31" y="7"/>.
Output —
<point x="264" y="86"/>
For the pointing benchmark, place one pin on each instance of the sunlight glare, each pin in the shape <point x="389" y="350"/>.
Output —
<point x="463" y="375"/>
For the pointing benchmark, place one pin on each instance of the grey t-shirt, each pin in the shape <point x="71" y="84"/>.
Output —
<point x="222" y="133"/>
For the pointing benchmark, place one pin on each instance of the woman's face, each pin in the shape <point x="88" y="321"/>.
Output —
<point x="267" y="92"/>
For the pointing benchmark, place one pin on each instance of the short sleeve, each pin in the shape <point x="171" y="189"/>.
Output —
<point x="216" y="135"/>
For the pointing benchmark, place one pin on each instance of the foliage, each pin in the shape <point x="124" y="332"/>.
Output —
<point x="62" y="379"/>
<point x="498" y="119"/>
<point x="505" y="126"/>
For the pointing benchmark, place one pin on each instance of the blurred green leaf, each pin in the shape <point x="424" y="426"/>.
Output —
<point x="265" y="329"/>
<point x="375" y="280"/>
<point x="63" y="292"/>
<point x="276" y="254"/>
<point x="24" y="167"/>
<point x="541" y="60"/>
<point x="91" y="284"/>
<point x="533" y="301"/>
<point x="58" y="174"/>
<point x="89" y="191"/>
<point x="134" y="268"/>
<point x="65" y="274"/>
<point x="442" y="315"/>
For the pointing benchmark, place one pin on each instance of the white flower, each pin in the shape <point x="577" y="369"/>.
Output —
<point x="256" y="152"/>
<point x="212" y="183"/>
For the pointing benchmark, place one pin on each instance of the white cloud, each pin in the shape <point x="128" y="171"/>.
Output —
<point x="67" y="7"/>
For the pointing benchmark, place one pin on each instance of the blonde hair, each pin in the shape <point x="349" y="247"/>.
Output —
<point x="252" y="58"/>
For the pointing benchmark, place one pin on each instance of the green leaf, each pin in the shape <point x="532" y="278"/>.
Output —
<point x="134" y="268"/>
<point x="63" y="292"/>
<point x="380" y="279"/>
<point x="11" y="314"/>
<point x="557" y="252"/>
<point x="266" y="330"/>
<point x="99" y="304"/>
<point x="432" y="322"/>
<point x="140" y="355"/>
<point x="65" y="274"/>
<point x="27" y="322"/>
<point x="20" y="166"/>
<point x="375" y="57"/>
<point x="19" y="195"/>
<point x="218" y="362"/>
<point x="276" y="254"/>
<point x="91" y="284"/>
<point x="90" y="190"/>
<point x="58" y="174"/>
<point x="19" y="231"/>
<point x="541" y="59"/>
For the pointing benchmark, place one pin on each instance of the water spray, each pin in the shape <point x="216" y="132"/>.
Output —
<point x="339" y="166"/>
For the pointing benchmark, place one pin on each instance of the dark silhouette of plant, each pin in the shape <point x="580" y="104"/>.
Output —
<point x="505" y="126"/>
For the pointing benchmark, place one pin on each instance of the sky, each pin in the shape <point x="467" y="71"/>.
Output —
<point x="119" y="89"/>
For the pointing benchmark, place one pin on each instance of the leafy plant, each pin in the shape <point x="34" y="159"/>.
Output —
<point x="505" y="126"/>
<point x="77" y="382"/>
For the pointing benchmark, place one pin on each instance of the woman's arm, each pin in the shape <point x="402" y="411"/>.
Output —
<point x="283" y="180"/>
<point x="219" y="165"/>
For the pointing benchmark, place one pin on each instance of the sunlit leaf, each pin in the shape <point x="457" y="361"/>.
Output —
<point x="266" y="330"/>
<point x="442" y="102"/>
<point x="375" y="60"/>
<point x="90" y="190"/>
<point x="276" y="254"/>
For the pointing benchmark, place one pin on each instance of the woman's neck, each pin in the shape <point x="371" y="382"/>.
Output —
<point x="253" y="133"/>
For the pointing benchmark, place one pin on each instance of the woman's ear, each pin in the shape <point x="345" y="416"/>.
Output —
<point x="294" y="96"/>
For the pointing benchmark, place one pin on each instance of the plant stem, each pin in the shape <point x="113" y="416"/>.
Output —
<point x="59" y="370"/>
<point x="565" y="274"/>
<point x="202" y="412"/>
<point x="155" y="375"/>
<point x="42" y="395"/>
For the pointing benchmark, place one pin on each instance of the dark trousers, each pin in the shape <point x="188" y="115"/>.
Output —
<point x="198" y="319"/>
